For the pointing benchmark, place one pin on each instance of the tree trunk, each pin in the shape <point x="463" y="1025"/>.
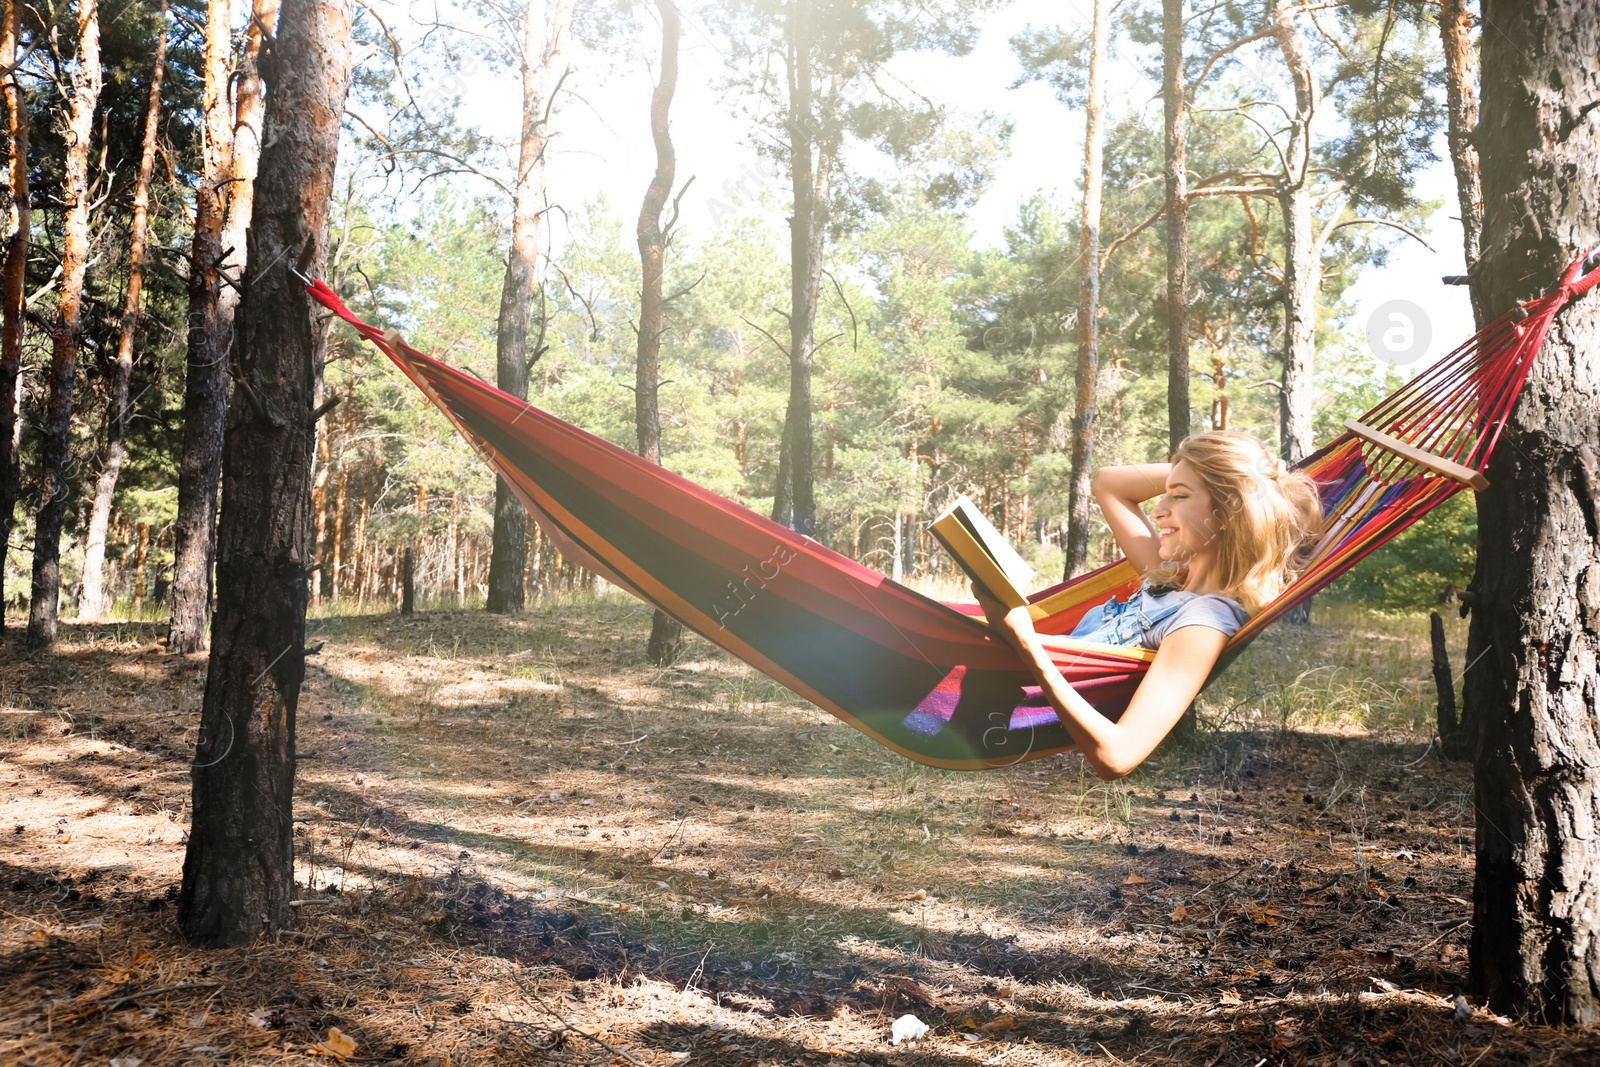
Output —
<point x="319" y="509"/>
<point x="92" y="602"/>
<point x="341" y="500"/>
<point x="1078" y="495"/>
<point x="1301" y="260"/>
<point x="140" y="554"/>
<point x="239" y="868"/>
<point x="56" y="429"/>
<point x="1535" y="635"/>
<point x="666" y="635"/>
<point x="543" y="55"/>
<point x="14" y="227"/>
<point x="408" y="578"/>
<point x="223" y="199"/>
<point x="1461" y="97"/>
<point x="1454" y="741"/>
<point x="1175" y="105"/>
<point x="794" y="500"/>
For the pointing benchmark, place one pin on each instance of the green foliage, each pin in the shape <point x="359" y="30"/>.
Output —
<point x="941" y="368"/>
<point x="1413" y="571"/>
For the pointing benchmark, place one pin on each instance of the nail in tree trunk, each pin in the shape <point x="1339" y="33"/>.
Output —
<point x="92" y="601"/>
<point x="666" y="635"/>
<point x="238" y="870"/>
<point x="1461" y="99"/>
<point x="544" y="42"/>
<point x="223" y="199"/>
<point x="56" y="429"/>
<point x="794" y="500"/>
<point x="1175" y="106"/>
<point x="14" y="227"/>
<point x="1078" y="495"/>
<point x="1534" y="641"/>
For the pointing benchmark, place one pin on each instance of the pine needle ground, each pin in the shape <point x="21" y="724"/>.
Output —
<point x="520" y="843"/>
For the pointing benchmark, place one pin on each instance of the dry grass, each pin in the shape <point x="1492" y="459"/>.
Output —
<point x="521" y="844"/>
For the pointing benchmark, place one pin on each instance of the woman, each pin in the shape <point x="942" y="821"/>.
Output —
<point x="1228" y="533"/>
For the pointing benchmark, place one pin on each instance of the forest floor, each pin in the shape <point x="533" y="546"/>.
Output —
<point x="519" y="843"/>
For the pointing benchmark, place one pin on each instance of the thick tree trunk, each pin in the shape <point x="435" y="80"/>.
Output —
<point x="1175" y="106"/>
<point x="56" y="429"/>
<point x="223" y="205"/>
<point x="543" y="56"/>
<point x="1461" y="97"/>
<point x="1535" y="636"/>
<point x="1078" y="495"/>
<point x="794" y="501"/>
<point x="666" y="635"/>
<point x="14" y="228"/>
<point x="92" y="601"/>
<point x="1302" y="263"/>
<point x="239" y="868"/>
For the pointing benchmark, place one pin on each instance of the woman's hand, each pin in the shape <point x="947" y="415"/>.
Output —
<point x="1173" y="680"/>
<point x="1014" y="624"/>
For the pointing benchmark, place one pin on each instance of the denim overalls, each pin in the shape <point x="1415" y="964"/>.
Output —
<point x="1129" y="622"/>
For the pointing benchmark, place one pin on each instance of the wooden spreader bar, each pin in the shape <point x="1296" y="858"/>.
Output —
<point x="1447" y="468"/>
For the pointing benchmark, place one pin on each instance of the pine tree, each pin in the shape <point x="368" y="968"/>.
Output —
<point x="239" y="866"/>
<point x="541" y="57"/>
<point x="92" y="600"/>
<point x="56" y="429"/>
<point x="666" y="635"/>
<point x="14" y="243"/>
<point x="1535" y="637"/>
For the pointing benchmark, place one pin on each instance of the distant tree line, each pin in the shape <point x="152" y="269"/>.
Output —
<point x="847" y="372"/>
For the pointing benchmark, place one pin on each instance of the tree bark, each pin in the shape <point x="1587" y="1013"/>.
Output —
<point x="1461" y="98"/>
<point x="56" y="429"/>
<point x="1301" y="256"/>
<point x="1078" y="495"/>
<point x="223" y="199"/>
<point x="140" y="553"/>
<point x="1454" y="741"/>
<point x="239" y="867"/>
<point x="794" y="500"/>
<point x="1175" y="106"/>
<point x="408" y="576"/>
<point x="1534" y="641"/>
<point x="543" y="55"/>
<point x="666" y="635"/>
<point x="92" y="601"/>
<point x="205" y="392"/>
<point x="14" y="227"/>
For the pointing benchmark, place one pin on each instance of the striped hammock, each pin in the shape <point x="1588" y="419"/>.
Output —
<point x="924" y="678"/>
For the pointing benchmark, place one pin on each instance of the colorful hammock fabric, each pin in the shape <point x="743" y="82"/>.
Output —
<point x="928" y="679"/>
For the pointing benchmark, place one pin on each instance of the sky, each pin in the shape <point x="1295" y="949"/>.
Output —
<point x="603" y="146"/>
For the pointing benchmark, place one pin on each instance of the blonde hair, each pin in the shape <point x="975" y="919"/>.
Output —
<point x="1268" y="516"/>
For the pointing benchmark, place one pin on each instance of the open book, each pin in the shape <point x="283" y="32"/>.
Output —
<point x="983" y="553"/>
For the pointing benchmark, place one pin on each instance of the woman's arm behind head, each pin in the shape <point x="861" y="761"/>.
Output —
<point x="1119" y="491"/>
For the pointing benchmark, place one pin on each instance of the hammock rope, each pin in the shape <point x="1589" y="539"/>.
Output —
<point x="927" y="679"/>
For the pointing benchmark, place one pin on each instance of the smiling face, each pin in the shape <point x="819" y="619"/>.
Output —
<point x="1185" y="517"/>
